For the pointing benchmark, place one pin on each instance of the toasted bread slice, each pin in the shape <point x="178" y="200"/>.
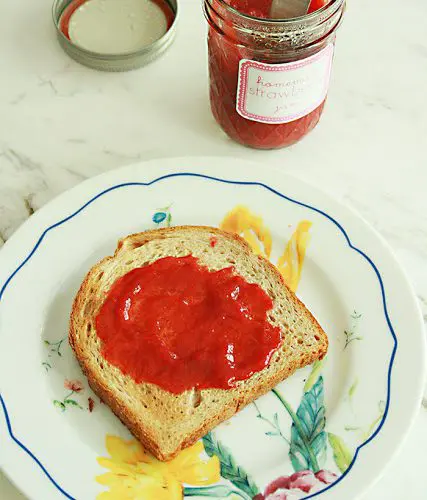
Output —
<point x="165" y="423"/>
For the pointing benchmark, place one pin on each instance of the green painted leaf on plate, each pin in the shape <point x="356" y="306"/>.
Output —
<point x="376" y="422"/>
<point x="71" y="402"/>
<point x="229" y="468"/>
<point x="342" y="454"/>
<point x="308" y="436"/>
<point x="314" y="375"/>
<point x="59" y="404"/>
<point x="353" y="388"/>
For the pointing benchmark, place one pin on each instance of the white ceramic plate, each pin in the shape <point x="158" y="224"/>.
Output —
<point x="327" y="431"/>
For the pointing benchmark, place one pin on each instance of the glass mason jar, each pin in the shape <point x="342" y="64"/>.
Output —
<point x="269" y="78"/>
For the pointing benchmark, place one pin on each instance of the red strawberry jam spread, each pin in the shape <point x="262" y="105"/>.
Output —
<point x="176" y="324"/>
<point x="227" y="48"/>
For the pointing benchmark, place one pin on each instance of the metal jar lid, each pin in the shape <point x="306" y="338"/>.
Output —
<point x="113" y="61"/>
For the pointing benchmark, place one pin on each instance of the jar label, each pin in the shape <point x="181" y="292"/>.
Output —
<point x="282" y="93"/>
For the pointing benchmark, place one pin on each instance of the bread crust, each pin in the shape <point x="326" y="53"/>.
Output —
<point x="84" y="311"/>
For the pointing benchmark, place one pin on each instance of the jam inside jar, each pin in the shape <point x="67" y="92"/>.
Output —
<point x="268" y="77"/>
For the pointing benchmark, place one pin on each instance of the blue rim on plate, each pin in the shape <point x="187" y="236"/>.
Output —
<point x="238" y="183"/>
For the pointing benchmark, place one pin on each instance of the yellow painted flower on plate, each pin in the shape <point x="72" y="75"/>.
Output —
<point x="242" y="221"/>
<point x="290" y="264"/>
<point x="137" y="475"/>
<point x="251" y="227"/>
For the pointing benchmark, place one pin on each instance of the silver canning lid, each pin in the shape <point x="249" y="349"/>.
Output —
<point x="120" y="61"/>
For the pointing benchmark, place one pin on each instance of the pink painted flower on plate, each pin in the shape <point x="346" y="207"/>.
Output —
<point x="73" y="385"/>
<point x="304" y="481"/>
<point x="297" y="485"/>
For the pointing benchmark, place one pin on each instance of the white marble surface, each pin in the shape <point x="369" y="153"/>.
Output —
<point x="61" y="123"/>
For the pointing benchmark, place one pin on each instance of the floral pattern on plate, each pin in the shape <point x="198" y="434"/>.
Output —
<point x="208" y="468"/>
<point x="346" y="269"/>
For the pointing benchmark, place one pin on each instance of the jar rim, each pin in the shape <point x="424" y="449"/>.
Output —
<point x="287" y="21"/>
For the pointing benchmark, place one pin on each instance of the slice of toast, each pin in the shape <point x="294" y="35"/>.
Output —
<point x="165" y="423"/>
